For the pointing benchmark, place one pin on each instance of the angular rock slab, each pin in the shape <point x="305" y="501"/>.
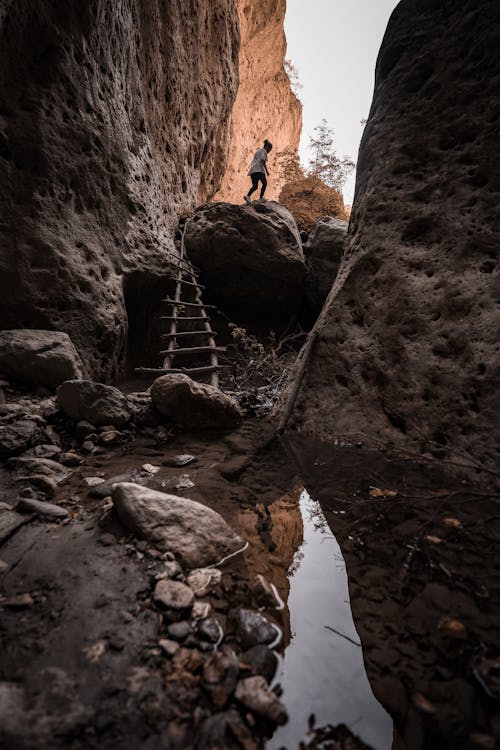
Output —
<point x="39" y="357"/>
<point x="250" y="257"/>
<point x="196" y="534"/>
<point x="194" y="405"/>
<point x="323" y="250"/>
<point x="96" y="403"/>
<point x="17" y="436"/>
<point x="255" y="694"/>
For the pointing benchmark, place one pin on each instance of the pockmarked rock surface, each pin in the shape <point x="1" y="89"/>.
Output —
<point x="35" y="357"/>
<point x="94" y="402"/>
<point x="310" y="199"/>
<point x="265" y="105"/>
<point x="250" y="257"/>
<point x="197" y="535"/>
<point x="115" y="119"/>
<point x="194" y="405"/>
<point x="409" y="348"/>
<point x="324" y="250"/>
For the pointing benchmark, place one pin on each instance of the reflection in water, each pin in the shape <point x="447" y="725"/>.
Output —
<point x="322" y="671"/>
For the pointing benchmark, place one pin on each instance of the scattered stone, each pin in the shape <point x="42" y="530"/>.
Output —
<point x="254" y="693"/>
<point x="172" y="569"/>
<point x="261" y="660"/>
<point x="150" y="468"/>
<point x="201" y="610"/>
<point x="3" y="566"/>
<point x="168" y="647"/>
<point x="210" y="629"/>
<point x="36" y="465"/>
<point x="103" y="489"/>
<point x="83" y="429"/>
<point x="70" y="458"/>
<point x="9" y="522"/>
<point x="204" y="580"/>
<point x="453" y="628"/>
<point x="106" y="539"/>
<point x="220" y="729"/>
<point x="110" y="437"/>
<point x="220" y="675"/>
<point x="48" y="485"/>
<point x="174" y="594"/>
<point x="18" y="436"/>
<point x="184" y="483"/>
<point x="27" y="492"/>
<point x="179" y="630"/>
<point x="93" y="481"/>
<point x="254" y="629"/>
<point x="88" y="446"/>
<point x="47" y="510"/>
<point x="99" y="404"/>
<point x="39" y="357"/>
<point x="194" y="405"/>
<point x="21" y="601"/>
<point x="44" y="451"/>
<point x="183" y="459"/>
<point x="196" y="534"/>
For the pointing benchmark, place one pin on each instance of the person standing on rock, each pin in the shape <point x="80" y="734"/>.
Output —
<point x="258" y="170"/>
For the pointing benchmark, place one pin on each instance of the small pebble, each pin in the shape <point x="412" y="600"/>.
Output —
<point x="168" y="647"/>
<point x="21" y="601"/>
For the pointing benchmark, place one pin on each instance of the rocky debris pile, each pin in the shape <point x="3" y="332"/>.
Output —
<point x="309" y="200"/>
<point x="250" y="257"/>
<point x="324" y="251"/>
<point x="45" y="358"/>
<point x="95" y="403"/>
<point x="196" y="534"/>
<point x="194" y="405"/>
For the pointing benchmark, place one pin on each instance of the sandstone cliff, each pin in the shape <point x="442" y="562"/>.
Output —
<point x="113" y="119"/>
<point x="409" y="350"/>
<point x="265" y="106"/>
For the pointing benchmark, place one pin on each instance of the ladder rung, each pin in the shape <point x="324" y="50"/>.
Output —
<point x="187" y="333"/>
<point x="194" y="350"/>
<point x="191" y="283"/>
<point x="182" y="318"/>
<point x="183" y="370"/>
<point x="180" y="303"/>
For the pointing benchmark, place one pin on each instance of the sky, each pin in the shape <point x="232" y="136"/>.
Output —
<point x="334" y="45"/>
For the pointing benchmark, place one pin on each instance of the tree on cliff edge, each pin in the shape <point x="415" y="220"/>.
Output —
<point x="325" y="164"/>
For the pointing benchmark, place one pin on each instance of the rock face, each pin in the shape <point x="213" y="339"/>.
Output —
<point x="39" y="357"/>
<point x="409" y="348"/>
<point x="196" y="534"/>
<point x="114" y="119"/>
<point x="194" y="405"/>
<point x="324" y="250"/>
<point x="96" y="403"/>
<point x="309" y="200"/>
<point x="258" y="243"/>
<point x="265" y="106"/>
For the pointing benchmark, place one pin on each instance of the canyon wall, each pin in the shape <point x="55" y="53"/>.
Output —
<point x="265" y="106"/>
<point x="114" y="118"/>
<point x="408" y="348"/>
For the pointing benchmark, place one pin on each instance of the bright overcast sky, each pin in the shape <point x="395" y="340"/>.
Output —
<point x="334" y="45"/>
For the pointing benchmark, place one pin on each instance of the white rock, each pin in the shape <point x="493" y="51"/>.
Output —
<point x="196" y="534"/>
<point x="204" y="580"/>
<point x="254" y="693"/>
<point x="173" y="594"/>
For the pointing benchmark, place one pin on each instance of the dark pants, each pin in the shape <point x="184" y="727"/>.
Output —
<point x="256" y="178"/>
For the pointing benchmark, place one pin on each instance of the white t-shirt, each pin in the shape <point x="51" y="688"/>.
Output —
<point x="259" y="161"/>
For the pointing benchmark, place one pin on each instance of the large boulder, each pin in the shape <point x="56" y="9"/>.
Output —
<point x="194" y="405"/>
<point x="324" y="250"/>
<point x="38" y="357"/>
<point x="197" y="535"/>
<point x="409" y="348"/>
<point x="94" y="402"/>
<point x="251" y="257"/>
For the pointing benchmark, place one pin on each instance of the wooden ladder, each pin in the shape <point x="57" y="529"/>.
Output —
<point x="193" y="312"/>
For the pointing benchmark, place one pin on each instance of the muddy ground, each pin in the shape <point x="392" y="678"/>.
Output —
<point x="421" y="551"/>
